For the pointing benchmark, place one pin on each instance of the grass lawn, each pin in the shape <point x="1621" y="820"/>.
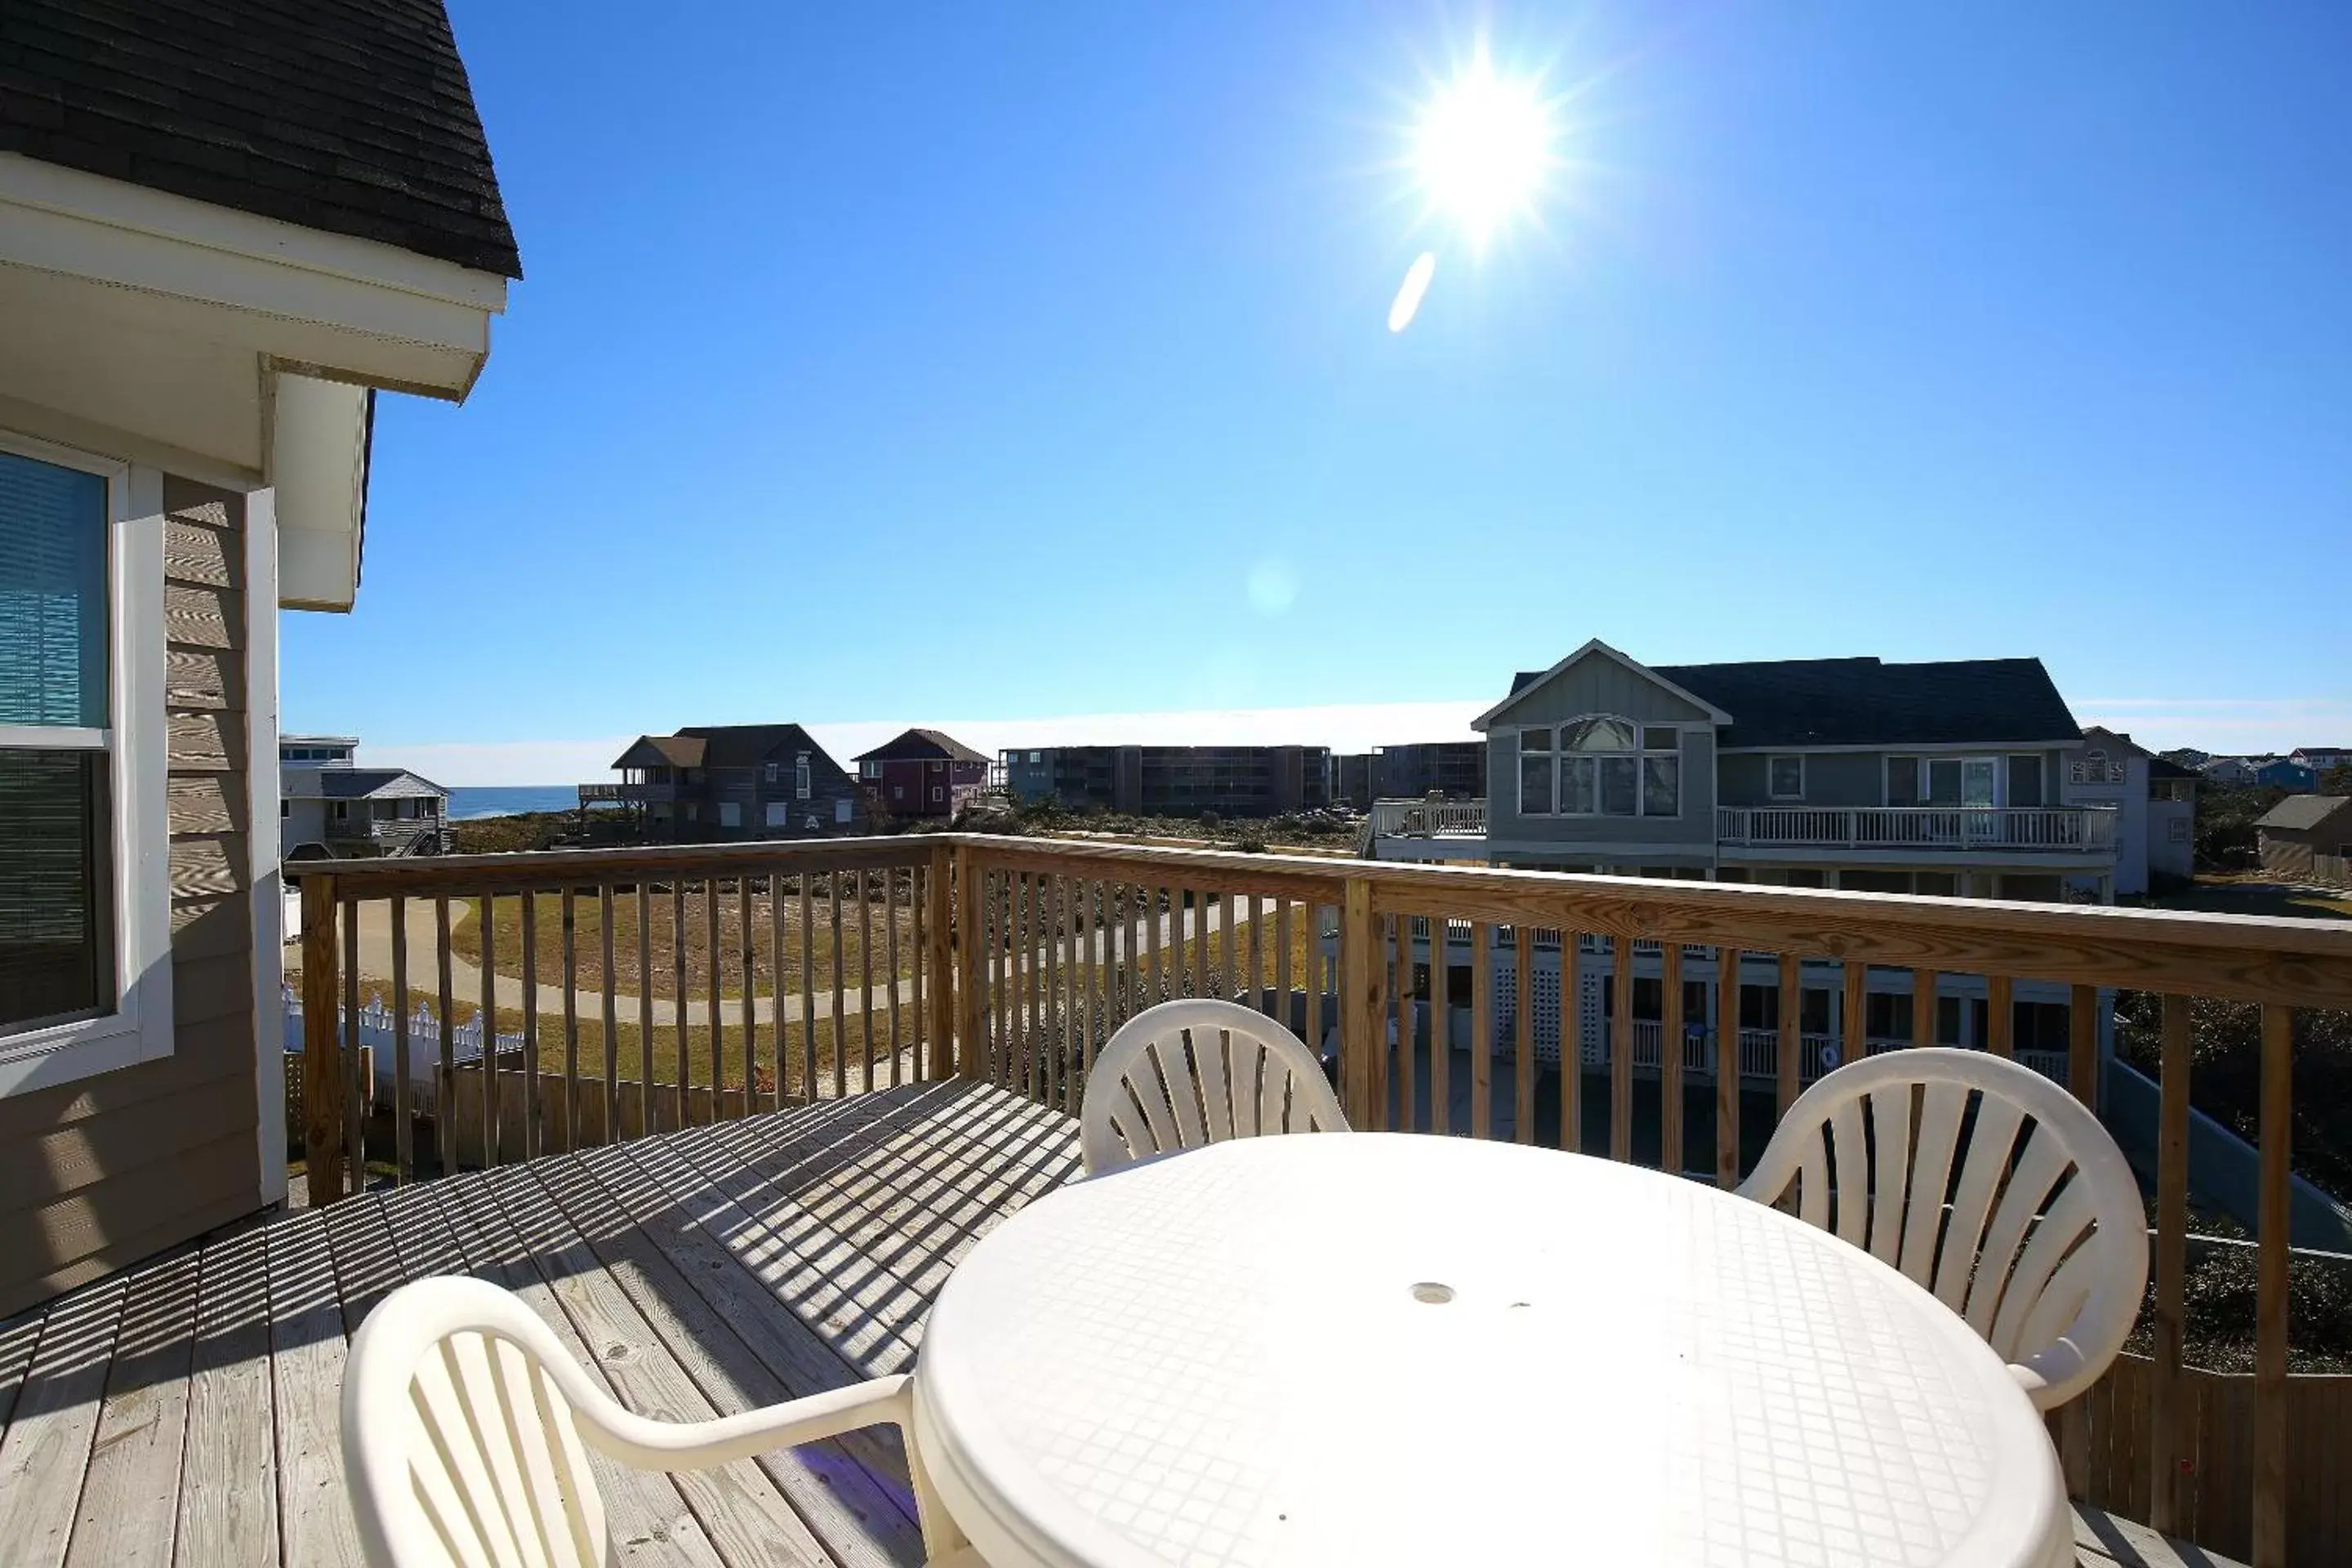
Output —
<point x="661" y="938"/>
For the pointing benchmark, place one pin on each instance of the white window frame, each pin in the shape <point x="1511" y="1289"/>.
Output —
<point x="1769" y="762"/>
<point x="139" y="1026"/>
<point x="1641" y="753"/>
<point x="801" y="776"/>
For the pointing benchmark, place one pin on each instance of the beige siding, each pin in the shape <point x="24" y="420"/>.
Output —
<point x="1596" y="684"/>
<point x="100" y="1173"/>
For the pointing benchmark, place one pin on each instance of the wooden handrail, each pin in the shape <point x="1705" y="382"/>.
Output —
<point x="1027" y="954"/>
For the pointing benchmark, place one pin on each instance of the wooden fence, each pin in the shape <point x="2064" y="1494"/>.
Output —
<point x="1026" y="954"/>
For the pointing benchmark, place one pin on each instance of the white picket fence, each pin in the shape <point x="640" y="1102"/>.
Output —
<point x="377" y="1035"/>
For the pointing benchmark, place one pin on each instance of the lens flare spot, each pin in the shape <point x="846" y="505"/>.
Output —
<point x="1407" y="303"/>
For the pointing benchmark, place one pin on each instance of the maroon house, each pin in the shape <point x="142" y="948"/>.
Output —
<point x="923" y="773"/>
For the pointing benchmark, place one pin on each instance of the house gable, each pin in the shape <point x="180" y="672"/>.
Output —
<point x="1597" y="679"/>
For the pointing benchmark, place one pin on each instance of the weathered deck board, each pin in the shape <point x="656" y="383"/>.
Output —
<point x="187" y="1411"/>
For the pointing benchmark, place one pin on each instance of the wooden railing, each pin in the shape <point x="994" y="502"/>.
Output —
<point x="2076" y="829"/>
<point x="832" y="979"/>
<point x="1429" y="818"/>
<point x="1029" y="953"/>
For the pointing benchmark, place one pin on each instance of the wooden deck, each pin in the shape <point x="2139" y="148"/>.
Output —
<point x="185" y="1412"/>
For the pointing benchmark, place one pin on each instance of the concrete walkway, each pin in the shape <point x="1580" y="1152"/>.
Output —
<point x="465" y="979"/>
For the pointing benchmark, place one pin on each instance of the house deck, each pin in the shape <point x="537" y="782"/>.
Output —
<point x="186" y="1412"/>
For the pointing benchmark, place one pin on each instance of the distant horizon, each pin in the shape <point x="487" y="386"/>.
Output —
<point x="2251" y="728"/>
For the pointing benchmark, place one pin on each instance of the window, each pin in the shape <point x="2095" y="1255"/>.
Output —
<point x="1903" y="781"/>
<point x="731" y="815"/>
<point x="897" y="792"/>
<point x="343" y="811"/>
<point x="1787" y="780"/>
<point x="285" y="806"/>
<point x="841" y="809"/>
<point x="801" y="776"/>
<point x="83" y="987"/>
<point x="939" y="793"/>
<point x="2025" y="779"/>
<point x="1602" y="767"/>
<point x="777" y="813"/>
<point x="1535" y="773"/>
<point x="1036" y="757"/>
<point x="769" y="773"/>
<point x="870" y="770"/>
<point x="2177" y="831"/>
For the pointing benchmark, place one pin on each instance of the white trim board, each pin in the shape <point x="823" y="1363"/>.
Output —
<point x="264" y="878"/>
<point x="1714" y="715"/>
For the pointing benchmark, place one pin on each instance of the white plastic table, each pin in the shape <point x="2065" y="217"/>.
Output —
<point x="1367" y="1348"/>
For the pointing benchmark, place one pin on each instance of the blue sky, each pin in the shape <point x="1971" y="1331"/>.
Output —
<point x="1006" y="363"/>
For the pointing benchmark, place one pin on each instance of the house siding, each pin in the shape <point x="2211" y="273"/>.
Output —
<point x="100" y="1173"/>
<point x="1602" y="685"/>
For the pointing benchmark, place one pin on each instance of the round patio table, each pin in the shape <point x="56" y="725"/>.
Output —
<point x="1370" y="1348"/>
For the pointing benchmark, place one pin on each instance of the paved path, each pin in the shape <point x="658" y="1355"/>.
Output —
<point x="465" y="979"/>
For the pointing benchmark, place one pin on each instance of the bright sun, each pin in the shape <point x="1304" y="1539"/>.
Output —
<point x="1482" y="149"/>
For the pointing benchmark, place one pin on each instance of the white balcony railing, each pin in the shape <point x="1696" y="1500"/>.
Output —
<point x="2054" y="830"/>
<point x="1429" y="818"/>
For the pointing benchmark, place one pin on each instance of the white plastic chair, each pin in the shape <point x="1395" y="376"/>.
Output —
<point x="1198" y="1071"/>
<point x="2041" y="1243"/>
<point x="466" y="1425"/>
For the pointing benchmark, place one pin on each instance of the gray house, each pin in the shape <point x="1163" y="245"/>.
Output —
<point x="2307" y="836"/>
<point x="1947" y="778"/>
<point x="330" y="809"/>
<point x="715" y="781"/>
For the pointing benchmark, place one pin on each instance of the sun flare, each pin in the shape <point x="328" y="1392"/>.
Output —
<point x="1483" y="147"/>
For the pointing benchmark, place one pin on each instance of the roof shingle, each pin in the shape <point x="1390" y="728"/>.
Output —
<point x="352" y="117"/>
<point x="1868" y="702"/>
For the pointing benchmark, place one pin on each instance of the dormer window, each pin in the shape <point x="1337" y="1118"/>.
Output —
<point x="1600" y="766"/>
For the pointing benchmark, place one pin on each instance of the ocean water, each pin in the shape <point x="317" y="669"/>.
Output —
<point x="467" y="802"/>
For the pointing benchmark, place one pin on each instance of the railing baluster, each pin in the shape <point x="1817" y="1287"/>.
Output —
<point x="570" y="1020"/>
<point x="1282" y="961"/>
<point x="1317" y="967"/>
<point x="924" y="1043"/>
<point x="1200" y="900"/>
<point x="714" y="950"/>
<point x="322" y="1054"/>
<point x="999" y="1055"/>
<point x="1153" y="915"/>
<point x="840" y="1030"/>
<point x="444" y="1099"/>
<point x="2270" y="1280"/>
<point x="644" y="1007"/>
<point x="1572" y="1041"/>
<point x="1621" y="1053"/>
<point x="2083" y="1045"/>
<point x="2169" y="1433"/>
<point x="611" y="1012"/>
<point x="807" y="886"/>
<point x="747" y="960"/>
<point x="1726" y="1068"/>
<point x="1857" y="978"/>
<point x="776" y="987"/>
<point x="1058" y="956"/>
<point x="1789" y="1050"/>
<point x="1229" y="957"/>
<point x="403" y="1133"/>
<point x="1523" y="1033"/>
<point x="890" y="945"/>
<point x="1408" y="1109"/>
<point x="485" y="925"/>
<point x="1482" y="1030"/>
<point x="355" y="1088"/>
<point x="1256" y="989"/>
<point x="1441" y="1024"/>
<point x="1025" y="933"/>
<point x="1672" y="1145"/>
<point x="679" y="991"/>
<point x="865" y="973"/>
<point x="532" y="1087"/>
